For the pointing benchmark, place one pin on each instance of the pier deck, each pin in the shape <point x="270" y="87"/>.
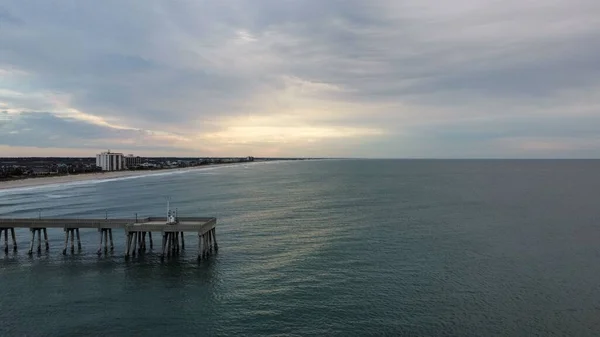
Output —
<point x="136" y="231"/>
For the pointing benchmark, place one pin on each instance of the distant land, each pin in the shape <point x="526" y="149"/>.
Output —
<point x="17" y="168"/>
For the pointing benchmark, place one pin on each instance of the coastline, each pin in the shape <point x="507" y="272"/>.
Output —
<point x="43" y="181"/>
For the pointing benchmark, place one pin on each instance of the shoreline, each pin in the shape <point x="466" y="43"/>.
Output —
<point x="44" y="181"/>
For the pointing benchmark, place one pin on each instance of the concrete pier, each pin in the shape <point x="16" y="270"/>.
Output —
<point x="138" y="233"/>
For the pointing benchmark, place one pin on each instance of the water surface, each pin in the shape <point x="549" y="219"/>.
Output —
<point x="336" y="248"/>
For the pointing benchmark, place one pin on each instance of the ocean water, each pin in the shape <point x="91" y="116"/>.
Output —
<point x="324" y="248"/>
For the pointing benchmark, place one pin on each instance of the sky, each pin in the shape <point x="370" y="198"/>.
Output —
<point x="301" y="78"/>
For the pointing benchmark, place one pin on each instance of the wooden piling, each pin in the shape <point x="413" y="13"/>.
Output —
<point x="72" y="240"/>
<point x="66" y="241"/>
<point x="164" y="244"/>
<point x="46" y="239"/>
<point x="201" y="246"/>
<point x="5" y="230"/>
<point x="39" y="246"/>
<point x="127" y="244"/>
<point x="207" y="244"/>
<point x="150" y="239"/>
<point x="100" y="246"/>
<point x="112" y="246"/>
<point x="173" y="243"/>
<point x="168" y="234"/>
<point x="176" y="241"/>
<point x="182" y="242"/>
<point x="32" y="239"/>
<point x="105" y="240"/>
<point x="214" y="232"/>
<point x="14" y="239"/>
<point x="78" y="239"/>
<point x="135" y="240"/>
<point x="143" y="242"/>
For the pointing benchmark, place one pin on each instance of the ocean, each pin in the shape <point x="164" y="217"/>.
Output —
<point x="324" y="248"/>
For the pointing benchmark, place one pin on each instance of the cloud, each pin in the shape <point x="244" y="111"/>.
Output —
<point x="353" y="78"/>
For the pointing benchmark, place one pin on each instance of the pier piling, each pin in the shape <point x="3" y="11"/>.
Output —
<point x="5" y="230"/>
<point x="164" y="244"/>
<point x="127" y="244"/>
<point x="112" y="246"/>
<point x="66" y="241"/>
<point x="39" y="236"/>
<point x="135" y="240"/>
<point x="72" y="240"/>
<point x="78" y="239"/>
<point x="46" y="239"/>
<point x="14" y="239"/>
<point x="32" y="240"/>
<point x="105" y="232"/>
<point x="215" y="237"/>
<point x="100" y="246"/>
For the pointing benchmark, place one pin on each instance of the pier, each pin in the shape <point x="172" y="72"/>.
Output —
<point x="138" y="233"/>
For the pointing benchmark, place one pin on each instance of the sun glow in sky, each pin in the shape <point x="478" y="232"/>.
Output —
<point x="382" y="78"/>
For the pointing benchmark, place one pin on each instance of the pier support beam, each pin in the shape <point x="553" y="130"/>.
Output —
<point x="182" y="242"/>
<point x="66" y="241"/>
<point x="32" y="241"/>
<point x="39" y="236"/>
<point x="100" y="245"/>
<point x="39" y="246"/>
<point x="214" y="233"/>
<point x="14" y="239"/>
<point x="135" y="240"/>
<point x="78" y="239"/>
<point x="46" y="239"/>
<point x="169" y="243"/>
<point x="5" y="230"/>
<point x="143" y="245"/>
<point x="72" y="240"/>
<point x="164" y="244"/>
<point x="150" y="239"/>
<point x="199" y="247"/>
<point x="128" y="244"/>
<point x="112" y="246"/>
<point x="105" y="231"/>
<point x="105" y="236"/>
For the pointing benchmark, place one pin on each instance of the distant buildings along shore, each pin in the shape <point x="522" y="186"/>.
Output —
<point x="30" y="167"/>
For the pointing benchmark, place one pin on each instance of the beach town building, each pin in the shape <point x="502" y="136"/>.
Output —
<point x="132" y="161"/>
<point x="110" y="161"/>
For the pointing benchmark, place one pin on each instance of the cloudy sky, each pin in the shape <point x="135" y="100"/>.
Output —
<point x="352" y="78"/>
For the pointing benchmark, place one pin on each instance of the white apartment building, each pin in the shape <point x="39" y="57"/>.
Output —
<point x="110" y="161"/>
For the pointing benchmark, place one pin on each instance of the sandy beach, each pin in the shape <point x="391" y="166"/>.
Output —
<point x="34" y="182"/>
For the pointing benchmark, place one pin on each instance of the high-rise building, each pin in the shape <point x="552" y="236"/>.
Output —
<point x="110" y="161"/>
